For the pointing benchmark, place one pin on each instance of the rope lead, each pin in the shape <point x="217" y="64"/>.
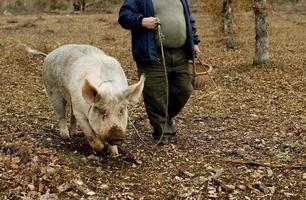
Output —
<point x="161" y="38"/>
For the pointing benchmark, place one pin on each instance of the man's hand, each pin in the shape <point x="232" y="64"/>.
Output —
<point x="196" y="49"/>
<point x="149" y="22"/>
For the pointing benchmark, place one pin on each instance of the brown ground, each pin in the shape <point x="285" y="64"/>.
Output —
<point x="257" y="114"/>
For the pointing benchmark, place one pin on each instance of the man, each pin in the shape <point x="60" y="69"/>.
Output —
<point x="180" y="45"/>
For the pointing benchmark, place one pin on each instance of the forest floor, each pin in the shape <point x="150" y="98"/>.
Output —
<point x="243" y="136"/>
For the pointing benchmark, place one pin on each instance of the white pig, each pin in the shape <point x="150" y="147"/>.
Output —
<point x="96" y="87"/>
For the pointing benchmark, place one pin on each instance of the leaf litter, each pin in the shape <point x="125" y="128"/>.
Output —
<point x="252" y="126"/>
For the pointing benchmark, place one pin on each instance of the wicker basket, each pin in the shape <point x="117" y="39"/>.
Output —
<point x="199" y="73"/>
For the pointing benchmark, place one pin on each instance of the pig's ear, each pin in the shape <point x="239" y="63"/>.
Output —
<point x="89" y="92"/>
<point x="133" y="93"/>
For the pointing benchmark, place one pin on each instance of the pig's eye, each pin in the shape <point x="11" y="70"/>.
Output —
<point x="102" y="112"/>
<point x="121" y="111"/>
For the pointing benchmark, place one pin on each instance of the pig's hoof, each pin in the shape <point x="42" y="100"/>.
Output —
<point x="65" y="134"/>
<point x="113" y="150"/>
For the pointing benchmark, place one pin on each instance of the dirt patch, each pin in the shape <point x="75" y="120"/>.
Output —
<point x="257" y="114"/>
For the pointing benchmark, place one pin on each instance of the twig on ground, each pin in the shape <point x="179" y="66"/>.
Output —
<point x="64" y="187"/>
<point x="217" y="174"/>
<point x="82" y="188"/>
<point x="255" y="190"/>
<point x="270" y="165"/>
<point x="215" y="179"/>
<point x="77" y="184"/>
<point x="225" y="187"/>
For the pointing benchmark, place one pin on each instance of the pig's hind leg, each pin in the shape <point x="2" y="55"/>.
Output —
<point x="59" y="105"/>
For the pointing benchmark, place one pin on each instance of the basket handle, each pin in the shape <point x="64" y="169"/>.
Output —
<point x="204" y="65"/>
<point x="194" y="70"/>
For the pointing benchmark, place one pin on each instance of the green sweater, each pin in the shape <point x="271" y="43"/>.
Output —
<point x="173" y="24"/>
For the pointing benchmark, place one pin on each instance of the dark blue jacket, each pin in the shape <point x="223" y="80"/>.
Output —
<point x="144" y="47"/>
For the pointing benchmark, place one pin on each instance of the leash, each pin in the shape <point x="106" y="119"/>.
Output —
<point x="161" y="38"/>
<point x="135" y="129"/>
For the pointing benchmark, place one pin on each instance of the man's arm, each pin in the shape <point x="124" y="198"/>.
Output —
<point x="196" y="38"/>
<point x="129" y="16"/>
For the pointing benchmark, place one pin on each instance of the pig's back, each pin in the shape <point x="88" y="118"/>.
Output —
<point x="60" y="62"/>
<point x="67" y="67"/>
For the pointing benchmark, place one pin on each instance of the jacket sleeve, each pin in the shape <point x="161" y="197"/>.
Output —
<point x="196" y="38"/>
<point x="129" y="16"/>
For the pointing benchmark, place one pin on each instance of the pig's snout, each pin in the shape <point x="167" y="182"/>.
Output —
<point x="116" y="135"/>
<point x="116" y="141"/>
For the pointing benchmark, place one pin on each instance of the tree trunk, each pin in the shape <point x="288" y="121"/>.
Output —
<point x="79" y="5"/>
<point x="261" y="28"/>
<point x="227" y="16"/>
<point x="227" y="22"/>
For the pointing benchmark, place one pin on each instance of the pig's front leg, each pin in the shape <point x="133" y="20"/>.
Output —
<point x="94" y="141"/>
<point x="73" y="123"/>
<point x="64" y="132"/>
<point x="113" y="150"/>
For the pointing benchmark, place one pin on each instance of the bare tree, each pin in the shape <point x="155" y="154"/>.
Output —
<point x="227" y="16"/>
<point x="261" y="29"/>
<point x="79" y="5"/>
<point x="261" y="22"/>
<point x="227" y="22"/>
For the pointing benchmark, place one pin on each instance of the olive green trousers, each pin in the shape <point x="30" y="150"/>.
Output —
<point x="155" y="89"/>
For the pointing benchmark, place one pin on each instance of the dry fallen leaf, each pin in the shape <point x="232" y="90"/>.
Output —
<point x="31" y="187"/>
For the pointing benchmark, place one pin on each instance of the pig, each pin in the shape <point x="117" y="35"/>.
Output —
<point x="95" y="86"/>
